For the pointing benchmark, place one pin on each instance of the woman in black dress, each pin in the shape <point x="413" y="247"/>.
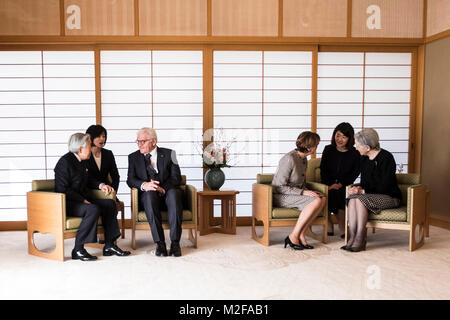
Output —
<point x="378" y="189"/>
<point x="339" y="167"/>
<point x="102" y="165"/>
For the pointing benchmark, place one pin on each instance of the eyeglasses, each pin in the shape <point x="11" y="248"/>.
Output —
<point x="139" y="142"/>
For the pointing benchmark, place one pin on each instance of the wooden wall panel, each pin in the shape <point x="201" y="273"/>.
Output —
<point x="245" y="17"/>
<point x="398" y="19"/>
<point x="320" y="18"/>
<point x="29" y="17"/>
<point x="173" y="17"/>
<point x="435" y="156"/>
<point x="438" y="16"/>
<point x="102" y="17"/>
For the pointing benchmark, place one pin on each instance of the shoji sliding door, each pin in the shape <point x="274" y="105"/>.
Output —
<point x="262" y="99"/>
<point x="159" y="89"/>
<point x="69" y="99"/>
<point x="45" y="96"/>
<point x="368" y="90"/>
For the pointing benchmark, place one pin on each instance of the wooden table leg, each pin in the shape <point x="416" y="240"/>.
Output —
<point x="205" y="205"/>
<point x="229" y="215"/>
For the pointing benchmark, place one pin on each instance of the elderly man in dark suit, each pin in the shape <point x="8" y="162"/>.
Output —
<point x="155" y="172"/>
<point x="71" y="178"/>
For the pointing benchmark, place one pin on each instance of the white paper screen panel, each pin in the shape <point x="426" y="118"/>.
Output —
<point x="21" y="79"/>
<point x="159" y="89"/>
<point x="44" y="97"/>
<point x="263" y="99"/>
<point x="126" y="98"/>
<point x="69" y="96"/>
<point x="367" y="90"/>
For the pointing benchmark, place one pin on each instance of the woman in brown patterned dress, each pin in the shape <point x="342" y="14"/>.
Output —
<point x="289" y="189"/>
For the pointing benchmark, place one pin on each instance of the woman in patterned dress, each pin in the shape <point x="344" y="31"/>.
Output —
<point x="377" y="191"/>
<point x="289" y="189"/>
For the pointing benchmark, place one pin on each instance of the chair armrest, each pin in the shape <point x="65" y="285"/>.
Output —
<point x="261" y="200"/>
<point x="316" y="186"/>
<point x="322" y="188"/>
<point x="416" y="204"/>
<point x="191" y="197"/>
<point x="46" y="211"/>
<point x="98" y="194"/>
<point x="134" y="204"/>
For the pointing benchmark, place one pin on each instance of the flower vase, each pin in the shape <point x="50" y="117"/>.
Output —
<point x="214" y="178"/>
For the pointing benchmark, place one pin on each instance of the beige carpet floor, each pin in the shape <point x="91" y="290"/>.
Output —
<point x="234" y="267"/>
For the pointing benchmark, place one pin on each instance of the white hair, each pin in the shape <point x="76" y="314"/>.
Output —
<point x="148" y="131"/>
<point x="368" y="137"/>
<point x="78" y="140"/>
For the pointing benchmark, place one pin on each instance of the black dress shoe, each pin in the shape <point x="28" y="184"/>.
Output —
<point x="161" y="249"/>
<point x="82" y="255"/>
<point x="175" y="249"/>
<point x="115" y="250"/>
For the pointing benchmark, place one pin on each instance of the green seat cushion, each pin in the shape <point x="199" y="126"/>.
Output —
<point x="395" y="215"/>
<point x="285" y="213"/>
<point x="74" y="222"/>
<point x="187" y="216"/>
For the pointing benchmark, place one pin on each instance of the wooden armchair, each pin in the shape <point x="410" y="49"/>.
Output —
<point x="263" y="211"/>
<point x="46" y="211"/>
<point x="411" y="214"/>
<point x="139" y="218"/>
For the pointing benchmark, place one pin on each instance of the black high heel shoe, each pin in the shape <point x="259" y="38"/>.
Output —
<point x="294" y="246"/>
<point x="305" y="246"/>
<point x="362" y="247"/>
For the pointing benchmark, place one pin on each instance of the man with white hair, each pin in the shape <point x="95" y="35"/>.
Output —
<point x="71" y="178"/>
<point x="154" y="171"/>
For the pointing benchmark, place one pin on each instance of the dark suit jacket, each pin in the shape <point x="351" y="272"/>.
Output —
<point x="71" y="178"/>
<point x="107" y="166"/>
<point x="168" y="171"/>
<point x="378" y="175"/>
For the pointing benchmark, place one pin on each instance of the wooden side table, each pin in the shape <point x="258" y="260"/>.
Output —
<point x="206" y="211"/>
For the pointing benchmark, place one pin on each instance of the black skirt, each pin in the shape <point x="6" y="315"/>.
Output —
<point x="336" y="200"/>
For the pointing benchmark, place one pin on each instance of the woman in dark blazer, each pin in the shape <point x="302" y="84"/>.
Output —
<point x="102" y="164"/>
<point x="339" y="168"/>
<point x="378" y="189"/>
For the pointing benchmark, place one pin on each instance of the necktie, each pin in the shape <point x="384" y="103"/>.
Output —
<point x="150" y="170"/>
